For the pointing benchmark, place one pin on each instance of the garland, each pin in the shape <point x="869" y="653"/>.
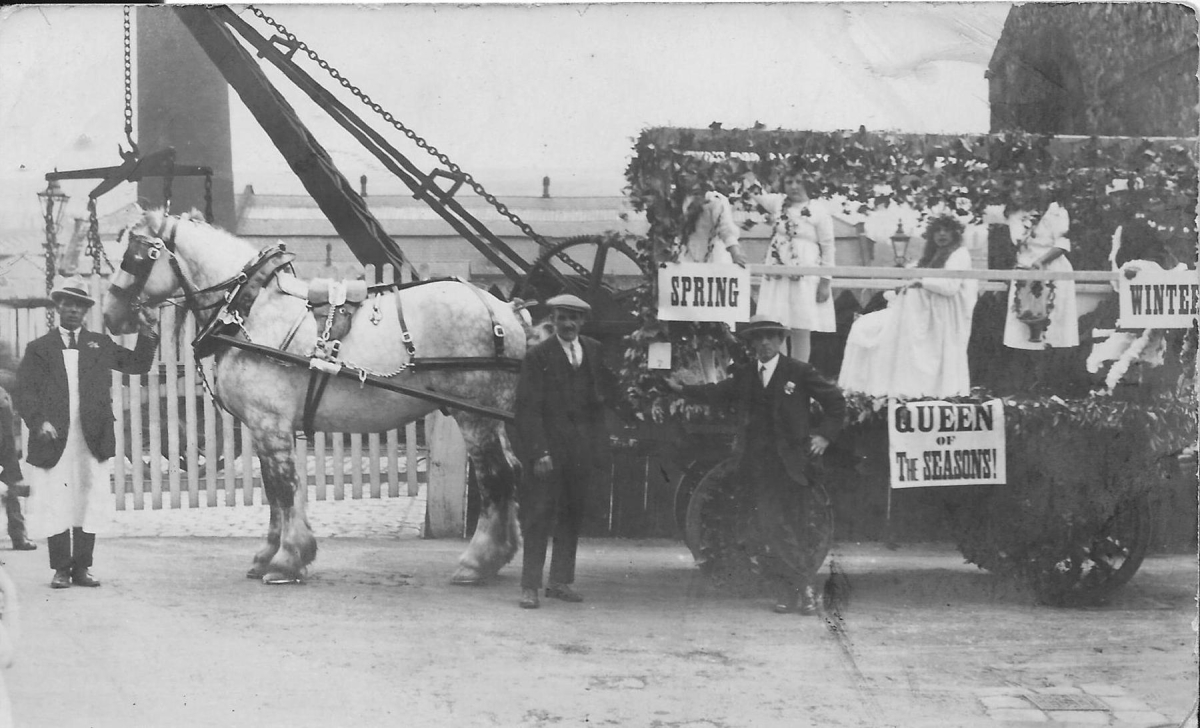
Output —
<point x="1101" y="182"/>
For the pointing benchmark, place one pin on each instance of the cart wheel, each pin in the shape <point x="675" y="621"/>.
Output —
<point x="720" y="522"/>
<point x="684" y="489"/>
<point x="612" y="285"/>
<point x="1099" y="563"/>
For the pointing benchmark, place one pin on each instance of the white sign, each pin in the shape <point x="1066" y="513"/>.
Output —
<point x="946" y="443"/>
<point x="659" y="355"/>
<point x="1159" y="300"/>
<point x="703" y="292"/>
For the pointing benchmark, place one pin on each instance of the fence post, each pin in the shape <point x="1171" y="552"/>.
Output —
<point x="447" y="487"/>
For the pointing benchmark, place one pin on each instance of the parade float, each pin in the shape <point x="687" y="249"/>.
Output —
<point x="1057" y="494"/>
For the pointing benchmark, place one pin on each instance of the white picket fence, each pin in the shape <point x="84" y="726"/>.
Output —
<point x="176" y="448"/>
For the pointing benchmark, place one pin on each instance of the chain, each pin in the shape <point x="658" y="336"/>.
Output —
<point x="128" y="81"/>
<point x="94" y="248"/>
<point x="416" y="139"/>
<point x="51" y="248"/>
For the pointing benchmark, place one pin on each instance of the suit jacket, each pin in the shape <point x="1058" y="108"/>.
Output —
<point x="791" y="387"/>
<point x="42" y="394"/>
<point x="10" y="463"/>
<point x="540" y="422"/>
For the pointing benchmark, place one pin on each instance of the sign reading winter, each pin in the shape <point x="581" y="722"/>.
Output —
<point x="1158" y="299"/>
<point x="946" y="443"/>
<point x="703" y="292"/>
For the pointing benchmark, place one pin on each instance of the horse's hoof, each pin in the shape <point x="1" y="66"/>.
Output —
<point x="278" y="577"/>
<point x="255" y="573"/>
<point x="466" y="576"/>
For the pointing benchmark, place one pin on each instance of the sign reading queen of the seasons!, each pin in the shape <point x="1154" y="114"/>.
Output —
<point x="1157" y="299"/>
<point x="946" y="443"/>
<point x="703" y="292"/>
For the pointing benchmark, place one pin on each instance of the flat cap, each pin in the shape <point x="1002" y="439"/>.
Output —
<point x="569" y="302"/>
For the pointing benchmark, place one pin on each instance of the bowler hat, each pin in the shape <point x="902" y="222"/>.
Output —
<point x="569" y="302"/>
<point x="759" y="323"/>
<point x="72" y="288"/>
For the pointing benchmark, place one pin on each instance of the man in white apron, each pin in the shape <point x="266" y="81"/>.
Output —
<point x="64" y="395"/>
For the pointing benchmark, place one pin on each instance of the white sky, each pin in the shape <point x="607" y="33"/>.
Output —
<point x="512" y="93"/>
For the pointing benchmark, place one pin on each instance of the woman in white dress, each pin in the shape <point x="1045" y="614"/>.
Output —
<point x="1042" y="245"/>
<point x="801" y="235"/>
<point x="709" y="233"/>
<point x="917" y="346"/>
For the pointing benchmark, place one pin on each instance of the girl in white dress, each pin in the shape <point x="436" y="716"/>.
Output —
<point x="802" y="235"/>
<point x="917" y="346"/>
<point x="709" y="234"/>
<point x="1043" y="245"/>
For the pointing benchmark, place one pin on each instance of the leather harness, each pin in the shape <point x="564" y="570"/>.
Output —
<point x="225" y="329"/>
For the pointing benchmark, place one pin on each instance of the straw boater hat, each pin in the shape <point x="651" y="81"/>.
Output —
<point x="569" y="302"/>
<point x="761" y="322"/>
<point x="71" y="288"/>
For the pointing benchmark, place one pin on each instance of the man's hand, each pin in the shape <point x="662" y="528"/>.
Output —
<point x="147" y="321"/>
<point x="48" y="431"/>
<point x="823" y="290"/>
<point x="817" y="445"/>
<point x="543" y="466"/>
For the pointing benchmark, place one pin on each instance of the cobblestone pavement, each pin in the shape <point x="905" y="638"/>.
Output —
<point x="1092" y="704"/>
<point x="401" y="517"/>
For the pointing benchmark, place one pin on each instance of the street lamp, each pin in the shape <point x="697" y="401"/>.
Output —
<point x="52" y="202"/>
<point x="900" y="241"/>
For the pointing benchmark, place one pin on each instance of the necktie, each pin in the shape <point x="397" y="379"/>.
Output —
<point x="762" y="374"/>
<point x="574" y="356"/>
<point x="71" y="344"/>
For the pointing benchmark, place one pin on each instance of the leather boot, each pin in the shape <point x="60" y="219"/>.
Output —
<point x="61" y="580"/>
<point x="83" y="577"/>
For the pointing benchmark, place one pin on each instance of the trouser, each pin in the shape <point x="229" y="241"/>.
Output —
<point x="16" y="520"/>
<point x="792" y="522"/>
<point x="553" y="504"/>
<point x="71" y="550"/>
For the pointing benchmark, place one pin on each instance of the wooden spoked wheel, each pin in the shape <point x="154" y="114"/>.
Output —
<point x="612" y="285"/>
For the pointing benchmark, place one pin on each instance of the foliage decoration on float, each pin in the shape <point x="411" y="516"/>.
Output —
<point x="1102" y="182"/>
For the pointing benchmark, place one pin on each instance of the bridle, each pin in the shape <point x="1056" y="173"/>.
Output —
<point x="142" y="253"/>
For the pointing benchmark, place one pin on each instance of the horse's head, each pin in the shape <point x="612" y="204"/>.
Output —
<point x="146" y="277"/>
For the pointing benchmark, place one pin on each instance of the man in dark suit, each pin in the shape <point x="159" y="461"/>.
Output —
<point x="10" y="475"/>
<point x="64" y="394"/>
<point x="775" y="447"/>
<point x="561" y="439"/>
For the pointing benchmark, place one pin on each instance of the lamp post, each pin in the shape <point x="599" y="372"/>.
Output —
<point x="900" y="241"/>
<point x="52" y="202"/>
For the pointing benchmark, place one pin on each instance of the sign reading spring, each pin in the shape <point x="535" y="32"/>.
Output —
<point x="1157" y="299"/>
<point x="703" y="292"/>
<point x="946" y="443"/>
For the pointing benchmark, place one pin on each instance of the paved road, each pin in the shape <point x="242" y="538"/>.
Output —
<point x="377" y="637"/>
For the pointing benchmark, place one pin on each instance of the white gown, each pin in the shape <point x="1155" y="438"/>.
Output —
<point x="76" y="491"/>
<point x="917" y="346"/>
<point x="1049" y="233"/>
<point x="802" y="235"/>
<point x="714" y="233"/>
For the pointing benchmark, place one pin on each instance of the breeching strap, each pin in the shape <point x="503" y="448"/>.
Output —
<point x="429" y="395"/>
